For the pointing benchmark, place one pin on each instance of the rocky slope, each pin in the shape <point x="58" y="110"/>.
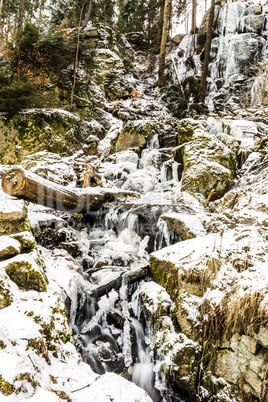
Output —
<point x="199" y="230"/>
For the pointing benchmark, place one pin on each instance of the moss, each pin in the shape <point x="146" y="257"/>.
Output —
<point x="25" y="277"/>
<point x="165" y="274"/>
<point x="26" y="240"/>
<point x="5" y="296"/>
<point x="5" y="387"/>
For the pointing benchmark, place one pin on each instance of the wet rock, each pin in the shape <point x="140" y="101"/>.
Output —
<point x="155" y="300"/>
<point x="8" y="247"/>
<point x="252" y="23"/>
<point x="185" y="225"/>
<point x="181" y="354"/>
<point x="27" y="272"/>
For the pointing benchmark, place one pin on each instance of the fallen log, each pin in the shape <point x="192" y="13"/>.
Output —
<point x="33" y="188"/>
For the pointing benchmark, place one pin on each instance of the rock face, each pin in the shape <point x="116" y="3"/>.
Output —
<point x="13" y="215"/>
<point x="54" y="130"/>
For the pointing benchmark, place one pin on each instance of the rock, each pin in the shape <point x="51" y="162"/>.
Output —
<point x="187" y="266"/>
<point x="5" y="295"/>
<point x="135" y="134"/>
<point x="13" y="215"/>
<point x="202" y="30"/>
<point x="54" y="130"/>
<point x="8" y="247"/>
<point x="118" y="85"/>
<point x="27" y="272"/>
<point x="26" y="240"/>
<point x="252" y="23"/>
<point x="186" y="129"/>
<point x="254" y="10"/>
<point x="208" y="164"/>
<point x="186" y="225"/>
<point x="188" y="315"/>
<point x="177" y="39"/>
<point x="262" y="336"/>
<point x="155" y="300"/>
<point x="244" y="365"/>
<point x="90" y="32"/>
<point x="178" y="357"/>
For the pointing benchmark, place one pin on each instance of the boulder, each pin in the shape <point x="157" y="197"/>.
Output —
<point x="187" y="266"/>
<point x="8" y="247"/>
<point x="186" y="129"/>
<point x="135" y="134"/>
<point x="208" y="164"/>
<point x="154" y="299"/>
<point x="185" y="225"/>
<point x="33" y="130"/>
<point x="252" y="23"/>
<point x="26" y="271"/>
<point x="13" y="215"/>
<point x="26" y="240"/>
<point x="178" y="359"/>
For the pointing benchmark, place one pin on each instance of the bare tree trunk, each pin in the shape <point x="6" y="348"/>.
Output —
<point x="87" y="16"/>
<point x="1" y="8"/>
<point x="203" y="82"/>
<point x="193" y="28"/>
<point x="20" y="14"/>
<point x="161" y="71"/>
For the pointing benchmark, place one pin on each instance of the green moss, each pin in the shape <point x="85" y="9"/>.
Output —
<point x="165" y="274"/>
<point x="25" y="277"/>
<point x="5" y="387"/>
<point x="5" y="296"/>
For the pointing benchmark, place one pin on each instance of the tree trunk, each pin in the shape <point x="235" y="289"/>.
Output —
<point x="30" y="187"/>
<point x="20" y="14"/>
<point x="193" y="28"/>
<point x="1" y="8"/>
<point x="203" y="82"/>
<point x="87" y="16"/>
<point x="161" y="71"/>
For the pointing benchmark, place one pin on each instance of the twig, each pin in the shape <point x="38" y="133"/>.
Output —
<point x="177" y="76"/>
<point x="209" y="197"/>
<point x="86" y="386"/>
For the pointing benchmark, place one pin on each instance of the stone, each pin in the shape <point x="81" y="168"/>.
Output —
<point x="262" y="336"/>
<point x="252" y="23"/>
<point x="13" y="215"/>
<point x="177" y="38"/>
<point x="155" y="300"/>
<point x="8" y="247"/>
<point x="54" y="130"/>
<point x="186" y="129"/>
<point x="5" y="295"/>
<point x="27" y="272"/>
<point x="185" y="225"/>
<point x="135" y="134"/>
<point x="178" y="359"/>
<point x="187" y="266"/>
<point x="26" y="240"/>
<point x="208" y="164"/>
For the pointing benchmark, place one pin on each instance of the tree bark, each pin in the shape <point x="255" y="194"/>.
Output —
<point x="193" y="28"/>
<point x="203" y="82"/>
<point x="30" y="187"/>
<point x="87" y="16"/>
<point x="161" y="71"/>
<point x="20" y="14"/>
